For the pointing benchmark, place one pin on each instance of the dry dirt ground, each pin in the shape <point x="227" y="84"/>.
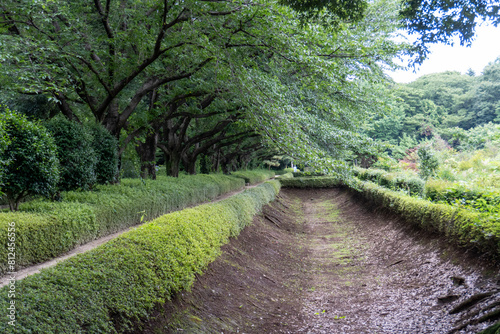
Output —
<point x="323" y="261"/>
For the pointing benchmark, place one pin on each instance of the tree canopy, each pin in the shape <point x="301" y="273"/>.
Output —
<point x="195" y="77"/>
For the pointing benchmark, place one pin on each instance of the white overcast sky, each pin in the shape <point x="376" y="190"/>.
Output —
<point x="485" y="49"/>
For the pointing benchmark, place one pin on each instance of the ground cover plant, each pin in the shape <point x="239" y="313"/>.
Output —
<point x="45" y="229"/>
<point x="115" y="286"/>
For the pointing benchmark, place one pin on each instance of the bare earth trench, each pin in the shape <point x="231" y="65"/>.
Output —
<point x="323" y="261"/>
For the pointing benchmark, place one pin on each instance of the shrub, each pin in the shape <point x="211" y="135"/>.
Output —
<point x="428" y="162"/>
<point x="311" y="182"/>
<point x="75" y="153"/>
<point x="113" y="287"/>
<point x="463" y="226"/>
<point x="105" y="147"/>
<point x="306" y="174"/>
<point x="409" y="183"/>
<point x="254" y="176"/>
<point x="31" y="153"/>
<point x="46" y="229"/>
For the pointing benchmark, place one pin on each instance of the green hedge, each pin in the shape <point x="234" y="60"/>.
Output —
<point x="307" y="174"/>
<point x="47" y="229"/>
<point x="254" y="176"/>
<point x="286" y="176"/>
<point x="463" y="226"/>
<point x="311" y="182"/>
<point x="116" y="286"/>
<point x="411" y="184"/>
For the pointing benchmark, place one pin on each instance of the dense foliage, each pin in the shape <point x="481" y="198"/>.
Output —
<point x="209" y="80"/>
<point x="75" y="153"/>
<point x="28" y="157"/>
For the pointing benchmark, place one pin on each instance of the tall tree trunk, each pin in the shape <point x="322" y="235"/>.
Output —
<point x="147" y="154"/>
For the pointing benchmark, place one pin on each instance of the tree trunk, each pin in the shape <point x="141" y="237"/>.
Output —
<point x="147" y="154"/>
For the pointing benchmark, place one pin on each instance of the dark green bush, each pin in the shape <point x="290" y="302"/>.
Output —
<point x="46" y="229"/>
<point x="106" y="149"/>
<point x="32" y="167"/>
<point x="311" y="182"/>
<point x="76" y="155"/>
<point x="115" y="286"/>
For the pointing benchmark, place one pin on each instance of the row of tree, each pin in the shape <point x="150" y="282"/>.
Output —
<point x="211" y="80"/>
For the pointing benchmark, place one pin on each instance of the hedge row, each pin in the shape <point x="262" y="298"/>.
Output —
<point x="254" y="176"/>
<point x="286" y="176"/>
<point x="114" y="287"/>
<point x="411" y="184"/>
<point x="307" y="174"/>
<point x="45" y="229"/>
<point x="463" y="226"/>
<point x="311" y="182"/>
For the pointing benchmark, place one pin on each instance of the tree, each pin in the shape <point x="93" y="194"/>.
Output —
<point x="75" y="152"/>
<point x="33" y="164"/>
<point x="105" y="148"/>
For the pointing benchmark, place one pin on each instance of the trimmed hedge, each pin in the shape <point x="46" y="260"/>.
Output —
<point x="307" y="174"/>
<point x="254" y="176"/>
<point x="114" y="287"/>
<point x="311" y="182"/>
<point x="463" y="226"/>
<point x="47" y="229"/>
<point x="411" y="184"/>
<point x="285" y="176"/>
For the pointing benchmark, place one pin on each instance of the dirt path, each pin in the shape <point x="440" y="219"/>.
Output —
<point x="317" y="261"/>
<point x="27" y="271"/>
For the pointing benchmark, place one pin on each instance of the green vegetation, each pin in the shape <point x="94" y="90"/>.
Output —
<point x="28" y="158"/>
<point x="116" y="285"/>
<point x="460" y="225"/>
<point x="45" y="229"/>
<point x="75" y="153"/>
<point x="254" y="176"/>
<point x="311" y="182"/>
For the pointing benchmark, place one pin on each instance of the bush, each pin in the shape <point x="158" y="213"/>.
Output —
<point x="428" y="162"/>
<point x="311" y="182"/>
<point x="105" y="147"/>
<point x="409" y="183"/>
<point x="113" y="287"/>
<point x="306" y="174"/>
<point x="76" y="155"/>
<point x="286" y="176"/>
<point x="47" y="229"/>
<point x="31" y="155"/>
<point x="254" y="176"/>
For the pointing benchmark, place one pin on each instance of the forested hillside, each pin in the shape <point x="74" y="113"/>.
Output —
<point x="462" y="109"/>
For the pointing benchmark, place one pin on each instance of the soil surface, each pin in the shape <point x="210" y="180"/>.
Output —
<point x="323" y="261"/>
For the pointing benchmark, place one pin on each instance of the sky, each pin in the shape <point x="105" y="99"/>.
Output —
<point x="484" y="49"/>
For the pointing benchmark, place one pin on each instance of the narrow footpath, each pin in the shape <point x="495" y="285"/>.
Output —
<point x="322" y="261"/>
